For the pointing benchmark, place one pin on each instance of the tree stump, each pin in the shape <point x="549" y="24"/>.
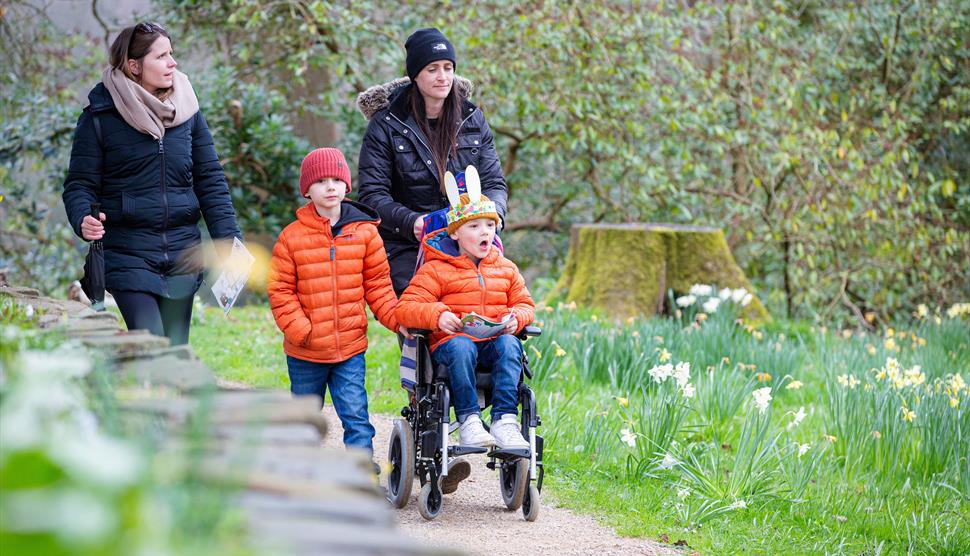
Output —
<point x="626" y="269"/>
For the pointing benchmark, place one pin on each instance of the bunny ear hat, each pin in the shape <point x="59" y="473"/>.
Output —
<point x="469" y="206"/>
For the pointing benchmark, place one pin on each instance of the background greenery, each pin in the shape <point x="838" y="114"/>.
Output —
<point x="852" y="475"/>
<point x="829" y="140"/>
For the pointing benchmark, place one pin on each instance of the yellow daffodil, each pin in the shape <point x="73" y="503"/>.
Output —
<point x="559" y="351"/>
<point x="876" y="434"/>
<point x="725" y="361"/>
<point x="843" y="380"/>
<point x="635" y="334"/>
<point x="622" y="401"/>
<point x="757" y="335"/>
<point x="853" y="381"/>
<point x="830" y="438"/>
<point x="664" y="355"/>
<point x="908" y="415"/>
<point x="658" y="339"/>
<point x="593" y="318"/>
<point x="871" y="349"/>
<point x="763" y="377"/>
<point x="954" y="403"/>
<point x="920" y="342"/>
<point x="922" y="310"/>
<point x="536" y="352"/>
<point x="890" y="344"/>
<point x="890" y="332"/>
<point x="793" y="385"/>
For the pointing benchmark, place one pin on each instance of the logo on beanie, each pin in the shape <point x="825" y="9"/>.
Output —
<point x="440" y="46"/>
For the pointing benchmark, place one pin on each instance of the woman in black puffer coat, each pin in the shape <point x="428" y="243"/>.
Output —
<point x="144" y="152"/>
<point x="419" y="128"/>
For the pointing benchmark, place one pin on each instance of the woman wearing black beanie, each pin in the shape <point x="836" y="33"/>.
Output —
<point x="420" y="127"/>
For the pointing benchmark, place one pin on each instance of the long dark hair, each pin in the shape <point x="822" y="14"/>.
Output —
<point x="444" y="136"/>
<point x="134" y="43"/>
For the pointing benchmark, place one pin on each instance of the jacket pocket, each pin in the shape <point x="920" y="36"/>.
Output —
<point x="142" y="211"/>
<point x="183" y="207"/>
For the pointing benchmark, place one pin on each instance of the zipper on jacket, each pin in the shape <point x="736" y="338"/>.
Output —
<point x="333" y="289"/>
<point x="481" y="283"/>
<point x="161" y="154"/>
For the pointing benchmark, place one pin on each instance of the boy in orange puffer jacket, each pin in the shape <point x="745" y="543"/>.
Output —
<point x="324" y="266"/>
<point x="464" y="273"/>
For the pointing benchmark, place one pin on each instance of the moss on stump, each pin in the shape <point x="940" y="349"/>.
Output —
<point x="626" y="269"/>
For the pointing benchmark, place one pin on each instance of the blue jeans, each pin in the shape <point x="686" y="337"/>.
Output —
<point x="346" y="382"/>
<point x="503" y="355"/>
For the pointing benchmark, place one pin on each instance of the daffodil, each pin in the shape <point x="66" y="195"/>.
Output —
<point x="660" y="373"/>
<point x="664" y="355"/>
<point x="710" y="306"/>
<point x="798" y="418"/>
<point x="629" y="437"/>
<point x="870" y="349"/>
<point x="668" y="462"/>
<point x="683" y="493"/>
<point x="757" y="335"/>
<point x="685" y="300"/>
<point x="560" y="352"/>
<point x="793" y="385"/>
<point x="682" y="373"/>
<point x="761" y="398"/>
<point x="876" y="434"/>
<point x="908" y="415"/>
<point x="688" y="391"/>
<point x="701" y="290"/>
<point x="803" y="449"/>
<point x="738" y="505"/>
<point x="830" y="438"/>
<point x="763" y="377"/>
<point x="622" y="401"/>
<point x="890" y="344"/>
<point x="536" y="352"/>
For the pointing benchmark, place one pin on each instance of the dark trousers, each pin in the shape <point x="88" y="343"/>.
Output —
<point x="159" y="315"/>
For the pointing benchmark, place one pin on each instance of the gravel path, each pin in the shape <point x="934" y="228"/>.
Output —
<point x="475" y="520"/>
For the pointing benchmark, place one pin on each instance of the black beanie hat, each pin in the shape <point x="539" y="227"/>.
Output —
<point x="425" y="46"/>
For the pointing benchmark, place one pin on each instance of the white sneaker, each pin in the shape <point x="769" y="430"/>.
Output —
<point x="473" y="433"/>
<point x="507" y="433"/>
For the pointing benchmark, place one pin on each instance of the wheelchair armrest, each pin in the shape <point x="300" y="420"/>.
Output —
<point x="530" y="331"/>
<point x="419" y="331"/>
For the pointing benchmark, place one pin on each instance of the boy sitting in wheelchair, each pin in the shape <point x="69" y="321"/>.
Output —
<point x="464" y="273"/>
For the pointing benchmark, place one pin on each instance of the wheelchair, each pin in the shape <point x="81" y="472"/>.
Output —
<point x="419" y="444"/>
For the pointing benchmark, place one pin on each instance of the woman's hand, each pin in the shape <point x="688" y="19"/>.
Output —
<point x="92" y="229"/>
<point x="449" y="322"/>
<point x="419" y="227"/>
<point x="511" y="326"/>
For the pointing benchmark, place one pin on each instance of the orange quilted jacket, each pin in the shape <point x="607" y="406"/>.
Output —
<point x="449" y="281"/>
<point x="318" y="283"/>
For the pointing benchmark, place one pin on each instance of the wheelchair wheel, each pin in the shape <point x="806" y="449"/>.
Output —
<point x="530" y="504"/>
<point x="513" y="480"/>
<point x="400" y="456"/>
<point x="429" y="502"/>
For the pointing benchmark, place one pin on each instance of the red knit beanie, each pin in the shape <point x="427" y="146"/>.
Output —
<point x="323" y="163"/>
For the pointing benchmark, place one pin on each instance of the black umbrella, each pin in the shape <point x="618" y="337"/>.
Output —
<point x="93" y="281"/>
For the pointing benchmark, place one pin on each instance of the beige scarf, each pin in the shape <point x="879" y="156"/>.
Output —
<point x="143" y="110"/>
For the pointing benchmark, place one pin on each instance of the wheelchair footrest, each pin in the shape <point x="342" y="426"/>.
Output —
<point x="455" y="451"/>
<point x="509" y="453"/>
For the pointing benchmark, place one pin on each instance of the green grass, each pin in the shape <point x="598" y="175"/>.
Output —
<point x="882" y="486"/>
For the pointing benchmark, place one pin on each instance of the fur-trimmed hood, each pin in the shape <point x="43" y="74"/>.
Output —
<point x="379" y="97"/>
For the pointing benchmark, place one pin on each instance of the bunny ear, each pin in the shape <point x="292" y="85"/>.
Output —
<point x="451" y="188"/>
<point x="472" y="184"/>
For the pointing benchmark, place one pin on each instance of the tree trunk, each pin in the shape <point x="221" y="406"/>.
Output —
<point x="626" y="269"/>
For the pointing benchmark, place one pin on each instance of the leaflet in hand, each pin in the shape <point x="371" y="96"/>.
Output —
<point x="234" y="276"/>
<point x="478" y="326"/>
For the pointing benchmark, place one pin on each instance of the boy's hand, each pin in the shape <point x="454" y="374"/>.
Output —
<point x="449" y="322"/>
<point x="405" y="332"/>
<point x="511" y="326"/>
